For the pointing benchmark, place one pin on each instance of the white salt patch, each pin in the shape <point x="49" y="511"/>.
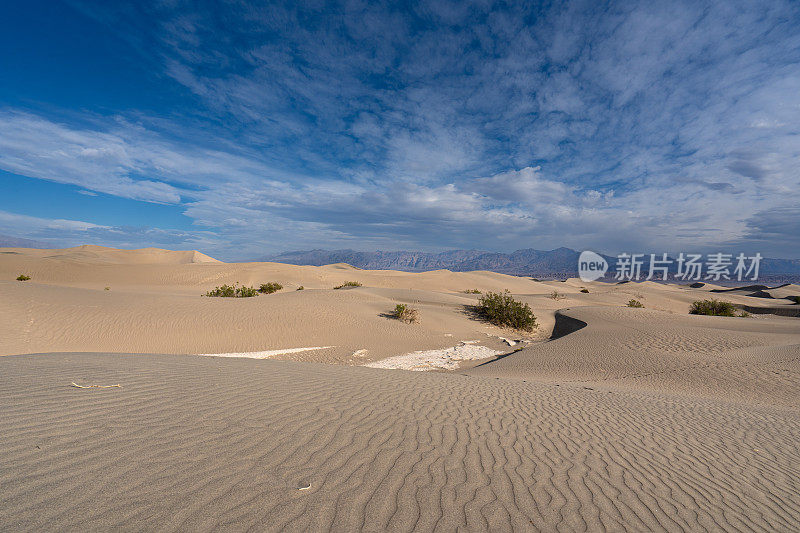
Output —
<point x="266" y="354"/>
<point x="447" y="358"/>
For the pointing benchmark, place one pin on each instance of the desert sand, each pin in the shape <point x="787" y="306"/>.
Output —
<point x="605" y="417"/>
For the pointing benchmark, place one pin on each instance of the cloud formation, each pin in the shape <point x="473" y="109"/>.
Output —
<point x="608" y="126"/>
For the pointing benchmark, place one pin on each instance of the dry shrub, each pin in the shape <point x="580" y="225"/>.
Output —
<point x="269" y="288"/>
<point x="407" y="314"/>
<point x="712" y="307"/>
<point x="348" y="284"/>
<point x="232" y="291"/>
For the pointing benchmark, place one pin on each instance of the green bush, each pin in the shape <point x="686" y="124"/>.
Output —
<point x="712" y="307"/>
<point x="502" y="309"/>
<point x="585" y="291"/>
<point x="635" y="303"/>
<point x="407" y="314"/>
<point x="232" y="291"/>
<point x="23" y="277"/>
<point x="348" y="284"/>
<point x="269" y="288"/>
<point x="472" y="291"/>
<point x="246" y="292"/>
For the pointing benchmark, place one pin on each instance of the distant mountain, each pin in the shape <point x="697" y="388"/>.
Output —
<point x="7" y="241"/>
<point x="408" y="261"/>
<point x="553" y="263"/>
<point x="558" y="263"/>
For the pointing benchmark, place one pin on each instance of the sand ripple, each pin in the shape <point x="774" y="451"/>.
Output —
<point x="202" y="443"/>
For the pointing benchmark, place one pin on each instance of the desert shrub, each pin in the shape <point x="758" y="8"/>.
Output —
<point x="585" y="291"/>
<point x="107" y="289"/>
<point x="23" y="277"/>
<point x="407" y="314"/>
<point x="635" y="303"/>
<point x="223" y="291"/>
<point x="712" y="307"/>
<point x="555" y="295"/>
<point x="300" y="288"/>
<point x="744" y="314"/>
<point x="232" y="291"/>
<point x="502" y="309"/>
<point x="348" y="284"/>
<point x="269" y="288"/>
<point x="472" y="291"/>
<point x="246" y="292"/>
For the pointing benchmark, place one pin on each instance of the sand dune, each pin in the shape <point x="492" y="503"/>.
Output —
<point x="736" y="360"/>
<point x="606" y="417"/>
<point x="198" y="443"/>
<point x="103" y="255"/>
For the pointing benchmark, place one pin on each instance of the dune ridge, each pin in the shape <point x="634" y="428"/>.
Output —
<point x="90" y="253"/>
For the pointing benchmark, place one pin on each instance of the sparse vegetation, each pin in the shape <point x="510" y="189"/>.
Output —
<point x="472" y="291"/>
<point x="269" y="288"/>
<point x="23" y="277"/>
<point x="744" y="314"/>
<point x="232" y="291"/>
<point x="712" y="307"/>
<point x="300" y="288"/>
<point x="585" y="291"/>
<point x="555" y="295"/>
<point x="501" y="309"/>
<point x="247" y="292"/>
<point x="347" y="284"/>
<point x="407" y="314"/>
<point x="107" y="289"/>
<point x="635" y="303"/>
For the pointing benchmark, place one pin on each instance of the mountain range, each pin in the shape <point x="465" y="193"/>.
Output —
<point x="558" y="263"/>
<point x="6" y="241"/>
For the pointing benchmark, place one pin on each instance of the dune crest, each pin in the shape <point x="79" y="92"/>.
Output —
<point x="89" y="253"/>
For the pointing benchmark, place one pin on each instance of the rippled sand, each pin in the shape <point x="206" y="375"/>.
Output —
<point x="606" y="418"/>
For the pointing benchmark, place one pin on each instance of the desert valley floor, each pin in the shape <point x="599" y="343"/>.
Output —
<point x="604" y="418"/>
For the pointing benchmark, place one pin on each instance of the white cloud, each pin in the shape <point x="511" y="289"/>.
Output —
<point x="29" y="226"/>
<point x="103" y="162"/>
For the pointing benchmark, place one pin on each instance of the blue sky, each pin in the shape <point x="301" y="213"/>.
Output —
<point x="246" y="129"/>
